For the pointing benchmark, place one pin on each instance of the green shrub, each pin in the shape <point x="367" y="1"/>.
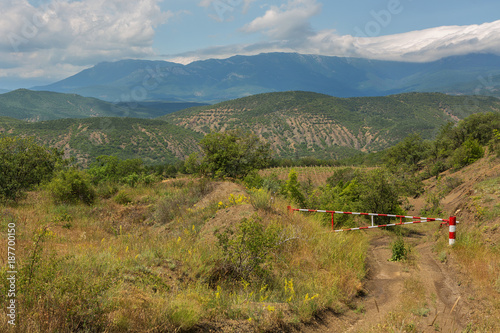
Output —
<point x="231" y="154"/>
<point x="24" y="164"/>
<point x="72" y="186"/>
<point x="261" y="199"/>
<point x="292" y="189"/>
<point x="494" y="144"/>
<point x="122" y="198"/>
<point x="131" y="180"/>
<point x="379" y="194"/>
<point x="343" y="176"/>
<point x="106" y="190"/>
<point x="253" y="180"/>
<point x="245" y="252"/>
<point x="469" y="152"/>
<point x="111" y="168"/>
<point x="399" y="250"/>
<point x="148" y="179"/>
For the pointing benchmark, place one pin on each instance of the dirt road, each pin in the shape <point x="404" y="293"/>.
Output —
<point x="420" y="295"/>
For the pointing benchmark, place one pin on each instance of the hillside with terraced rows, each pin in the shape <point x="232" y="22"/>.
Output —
<point x="299" y="124"/>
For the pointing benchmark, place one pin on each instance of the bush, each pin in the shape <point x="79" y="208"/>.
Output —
<point x="111" y="168"/>
<point x="399" y="250"/>
<point x="131" y="180"/>
<point x="378" y="194"/>
<point x="72" y="186"/>
<point x="24" y="164"/>
<point x="261" y="199"/>
<point x="342" y="175"/>
<point x="253" y="180"/>
<point x="106" y="190"/>
<point x="122" y="198"/>
<point x="244" y="251"/>
<point x="494" y="144"/>
<point x="292" y="189"/>
<point x="230" y="154"/>
<point x="469" y="152"/>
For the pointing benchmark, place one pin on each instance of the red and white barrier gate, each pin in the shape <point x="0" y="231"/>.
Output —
<point x="452" y="221"/>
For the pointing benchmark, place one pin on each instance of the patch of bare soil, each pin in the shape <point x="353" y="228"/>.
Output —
<point x="225" y="218"/>
<point x="447" y="301"/>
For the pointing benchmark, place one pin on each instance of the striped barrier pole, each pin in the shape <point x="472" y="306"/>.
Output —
<point x="453" y="230"/>
<point x="386" y="225"/>
<point x="428" y="219"/>
<point x="452" y="221"/>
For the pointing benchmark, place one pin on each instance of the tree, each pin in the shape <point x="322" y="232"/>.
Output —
<point x="232" y="154"/>
<point x="469" y="152"/>
<point x="111" y="168"/>
<point x="378" y="194"/>
<point x="292" y="189"/>
<point x="72" y="186"/>
<point x="406" y="155"/>
<point x="24" y="164"/>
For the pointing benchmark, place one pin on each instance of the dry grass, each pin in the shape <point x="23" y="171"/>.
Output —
<point x="135" y="266"/>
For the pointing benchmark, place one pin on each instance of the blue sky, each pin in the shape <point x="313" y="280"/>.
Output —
<point x="43" y="41"/>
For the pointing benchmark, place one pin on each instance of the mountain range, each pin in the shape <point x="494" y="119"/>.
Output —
<point x="216" y="80"/>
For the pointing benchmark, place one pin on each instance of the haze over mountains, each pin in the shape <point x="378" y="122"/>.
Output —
<point x="219" y="80"/>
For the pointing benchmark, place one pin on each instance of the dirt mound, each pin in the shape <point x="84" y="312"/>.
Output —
<point x="225" y="218"/>
<point x="220" y="193"/>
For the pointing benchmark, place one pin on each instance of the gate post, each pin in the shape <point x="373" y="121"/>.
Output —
<point x="453" y="229"/>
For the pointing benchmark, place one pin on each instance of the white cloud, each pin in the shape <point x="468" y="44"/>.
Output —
<point x="430" y="44"/>
<point x="288" y="21"/>
<point x="63" y="34"/>
<point x="416" y="46"/>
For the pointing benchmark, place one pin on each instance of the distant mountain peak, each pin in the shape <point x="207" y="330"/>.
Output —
<point x="215" y="80"/>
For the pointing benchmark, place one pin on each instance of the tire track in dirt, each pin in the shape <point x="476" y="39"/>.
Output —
<point x="451" y="308"/>
<point x="382" y="293"/>
<point x="385" y="286"/>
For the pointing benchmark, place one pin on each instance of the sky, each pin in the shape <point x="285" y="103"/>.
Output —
<point x="43" y="41"/>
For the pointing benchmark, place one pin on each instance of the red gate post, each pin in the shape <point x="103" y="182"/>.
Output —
<point x="453" y="229"/>
<point x="332" y="221"/>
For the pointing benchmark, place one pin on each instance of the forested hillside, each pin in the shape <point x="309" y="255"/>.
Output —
<point x="155" y="141"/>
<point x="45" y="105"/>
<point x="295" y="124"/>
<point x="299" y="124"/>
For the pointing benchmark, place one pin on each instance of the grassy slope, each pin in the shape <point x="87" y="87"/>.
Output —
<point x="147" y="265"/>
<point x="310" y="124"/>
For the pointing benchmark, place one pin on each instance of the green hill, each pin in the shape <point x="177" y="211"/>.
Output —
<point x="299" y="124"/>
<point x="45" y="105"/>
<point x="155" y="141"/>
<point x="296" y="124"/>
